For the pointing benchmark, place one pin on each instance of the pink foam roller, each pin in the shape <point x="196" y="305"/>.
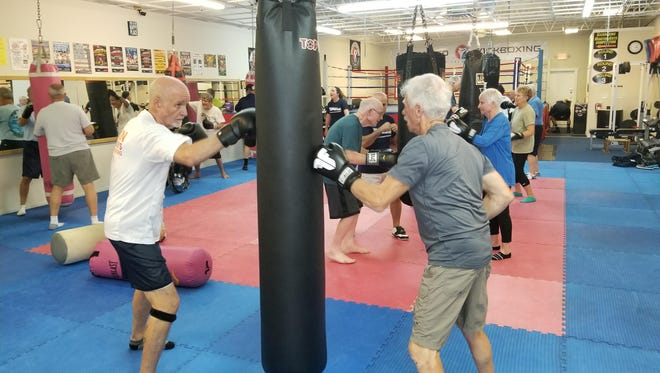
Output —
<point x="189" y="266"/>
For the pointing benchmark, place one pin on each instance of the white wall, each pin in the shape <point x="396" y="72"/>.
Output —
<point x="91" y="23"/>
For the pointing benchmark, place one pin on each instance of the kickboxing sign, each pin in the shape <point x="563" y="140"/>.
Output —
<point x="506" y="52"/>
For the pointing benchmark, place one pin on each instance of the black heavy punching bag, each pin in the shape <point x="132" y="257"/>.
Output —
<point x="470" y="91"/>
<point x="491" y="68"/>
<point x="409" y="65"/>
<point x="290" y="195"/>
<point x="100" y="109"/>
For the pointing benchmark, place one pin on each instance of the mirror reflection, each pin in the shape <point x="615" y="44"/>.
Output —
<point x="93" y="96"/>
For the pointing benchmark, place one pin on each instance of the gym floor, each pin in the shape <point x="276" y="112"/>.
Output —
<point x="579" y="294"/>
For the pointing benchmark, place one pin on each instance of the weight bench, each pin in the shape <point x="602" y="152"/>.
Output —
<point x="600" y="133"/>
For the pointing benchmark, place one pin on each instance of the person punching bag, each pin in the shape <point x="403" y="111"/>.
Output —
<point x="290" y="194"/>
<point x="100" y="109"/>
<point x="42" y="75"/>
<point x="471" y="88"/>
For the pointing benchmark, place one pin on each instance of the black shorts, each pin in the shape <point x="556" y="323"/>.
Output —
<point x="341" y="203"/>
<point x="142" y="265"/>
<point x="31" y="160"/>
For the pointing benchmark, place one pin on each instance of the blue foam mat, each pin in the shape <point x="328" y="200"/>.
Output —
<point x="609" y="237"/>
<point x="614" y="269"/>
<point x="621" y="217"/>
<point x="588" y="357"/>
<point x="613" y="316"/>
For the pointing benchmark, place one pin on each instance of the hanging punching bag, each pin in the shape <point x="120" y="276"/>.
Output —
<point x="289" y="194"/>
<point x="100" y="109"/>
<point x="409" y="65"/>
<point x="42" y="75"/>
<point x="470" y="89"/>
<point x="491" y="68"/>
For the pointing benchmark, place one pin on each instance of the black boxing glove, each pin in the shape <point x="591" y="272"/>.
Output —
<point x="208" y="124"/>
<point x="243" y="125"/>
<point x="27" y="112"/>
<point x="330" y="161"/>
<point x="517" y="135"/>
<point x="192" y="130"/>
<point x="383" y="159"/>
<point x="457" y="126"/>
<point x="507" y="105"/>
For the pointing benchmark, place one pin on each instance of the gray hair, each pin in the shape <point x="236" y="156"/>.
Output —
<point x="56" y="89"/>
<point x="491" y="96"/>
<point x="454" y="79"/>
<point x="430" y="92"/>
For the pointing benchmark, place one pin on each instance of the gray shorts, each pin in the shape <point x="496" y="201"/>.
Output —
<point x="449" y="296"/>
<point x="79" y="163"/>
<point x="142" y="265"/>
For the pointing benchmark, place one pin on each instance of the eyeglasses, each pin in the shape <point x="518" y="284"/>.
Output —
<point x="379" y="113"/>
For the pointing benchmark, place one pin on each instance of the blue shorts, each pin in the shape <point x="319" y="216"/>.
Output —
<point x="142" y="265"/>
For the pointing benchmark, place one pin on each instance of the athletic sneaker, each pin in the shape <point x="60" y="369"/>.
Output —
<point x="400" y="233"/>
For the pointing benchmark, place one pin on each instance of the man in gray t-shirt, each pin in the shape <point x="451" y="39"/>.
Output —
<point x="455" y="191"/>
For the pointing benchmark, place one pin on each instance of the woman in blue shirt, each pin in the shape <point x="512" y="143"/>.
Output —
<point x="495" y="143"/>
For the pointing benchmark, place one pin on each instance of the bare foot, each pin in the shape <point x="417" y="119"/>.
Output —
<point x="225" y="176"/>
<point x="355" y="250"/>
<point x="340" y="257"/>
<point x="195" y="176"/>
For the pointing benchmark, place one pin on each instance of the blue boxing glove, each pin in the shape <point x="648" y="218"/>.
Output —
<point x="330" y="161"/>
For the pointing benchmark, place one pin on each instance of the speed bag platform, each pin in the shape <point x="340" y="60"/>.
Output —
<point x="190" y="267"/>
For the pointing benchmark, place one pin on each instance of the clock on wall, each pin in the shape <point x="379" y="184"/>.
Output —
<point x="635" y="46"/>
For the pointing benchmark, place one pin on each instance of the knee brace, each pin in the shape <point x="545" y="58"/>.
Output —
<point x="160" y="315"/>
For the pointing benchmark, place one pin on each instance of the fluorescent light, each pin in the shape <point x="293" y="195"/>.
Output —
<point x="571" y="30"/>
<point x="400" y="32"/>
<point x="369" y="6"/>
<point x="588" y="6"/>
<point x="210" y="4"/>
<point x="612" y="11"/>
<point x="502" y="32"/>
<point x="327" y="30"/>
<point x="462" y="27"/>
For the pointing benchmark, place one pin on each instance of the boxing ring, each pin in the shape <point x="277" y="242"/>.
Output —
<point x="359" y="84"/>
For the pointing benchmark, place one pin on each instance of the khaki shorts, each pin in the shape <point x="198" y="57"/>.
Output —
<point x="79" y="163"/>
<point x="449" y="296"/>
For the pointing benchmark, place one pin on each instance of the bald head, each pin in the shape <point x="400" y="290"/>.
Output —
<point x="380" y="96"/>
<point x="168" y="100"/>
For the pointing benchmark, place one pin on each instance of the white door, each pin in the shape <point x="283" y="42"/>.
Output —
<point x="561" y="84"/>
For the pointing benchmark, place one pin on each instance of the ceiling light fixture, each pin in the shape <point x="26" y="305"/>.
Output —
<point x="588" y="6"/>
<point x="462" y="27"/>
<point x="210" y="4"/>
<point x="502" y="32"/>
<point x="571" y="30"/>
<point x="327" y="30"/>
<point x="370" y="6"/>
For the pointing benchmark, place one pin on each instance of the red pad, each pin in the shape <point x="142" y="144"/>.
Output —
<point x="189" y="266"/>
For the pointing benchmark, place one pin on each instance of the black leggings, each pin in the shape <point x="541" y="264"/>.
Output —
<point x="502" y="223"/>
<point x="519" y="165"/>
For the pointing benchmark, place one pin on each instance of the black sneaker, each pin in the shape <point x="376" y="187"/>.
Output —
<point x="400" y="233"/>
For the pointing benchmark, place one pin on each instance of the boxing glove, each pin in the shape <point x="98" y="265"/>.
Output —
<point x="517" y="135"/>
<point x="208" y="124"/>
<point x="461" y="112"/>
<point x="384" y="159"/>
<point x="330" y="161"/>
<point x="192" y="130"/>
<point x="507" y="105"/>
<point x="27" y="112"/>
<point x="243" y="125"/>
<point x="457" y="126"/>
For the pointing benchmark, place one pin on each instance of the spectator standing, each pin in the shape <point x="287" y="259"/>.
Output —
<point x="66" y="128"/>
<point x="248" y="101"/>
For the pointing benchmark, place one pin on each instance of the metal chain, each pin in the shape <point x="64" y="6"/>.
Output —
<point x="412" y="30"/>
<point x="39" y="21"/>
<point x="419" y="9"/>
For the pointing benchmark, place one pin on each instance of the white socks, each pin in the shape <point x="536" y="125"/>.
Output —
<point x="21" y="211"/>
<point x="95" y="219"/>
